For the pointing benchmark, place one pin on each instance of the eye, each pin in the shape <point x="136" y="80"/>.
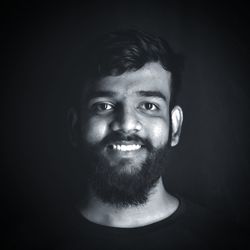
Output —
<point x="148" y="106"/>
<point x="103" y="107"/>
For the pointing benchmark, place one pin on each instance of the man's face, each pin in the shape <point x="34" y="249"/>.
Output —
<point x="126" y="122"/>
<point x="134" y="103"/>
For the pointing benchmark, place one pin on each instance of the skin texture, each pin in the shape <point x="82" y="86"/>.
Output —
<point x="134" y="103"/>
<point x="129" y="112"/>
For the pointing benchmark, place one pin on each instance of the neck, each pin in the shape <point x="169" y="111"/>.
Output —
<point x="159" y="206"/>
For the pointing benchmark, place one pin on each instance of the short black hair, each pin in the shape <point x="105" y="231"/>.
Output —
<point x="117" y="52"/>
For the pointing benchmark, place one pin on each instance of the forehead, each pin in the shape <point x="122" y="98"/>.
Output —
<point x="151" y="77"/>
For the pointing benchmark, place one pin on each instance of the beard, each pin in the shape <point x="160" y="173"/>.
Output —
<point x="121" y="188"/>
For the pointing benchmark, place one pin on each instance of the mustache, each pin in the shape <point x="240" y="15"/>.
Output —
<point x="120" y="136"/>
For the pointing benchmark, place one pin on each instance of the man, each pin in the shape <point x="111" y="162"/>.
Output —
<point x="126" y="125"/>
<point x="124" y="122"/>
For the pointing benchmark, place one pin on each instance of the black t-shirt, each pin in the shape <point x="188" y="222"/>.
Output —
<point x="190" y="227"/>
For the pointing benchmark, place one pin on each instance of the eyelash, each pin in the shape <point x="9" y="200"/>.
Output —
<point x="97" y="107"/>
<point x="100" y="107"/>
<point x="156" y="108"/>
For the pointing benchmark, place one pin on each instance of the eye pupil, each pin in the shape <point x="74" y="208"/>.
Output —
<point x="149" y="105"/>
<point x="104" y="106"/>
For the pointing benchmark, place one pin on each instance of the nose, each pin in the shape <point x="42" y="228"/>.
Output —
<point x="126" y="121"/>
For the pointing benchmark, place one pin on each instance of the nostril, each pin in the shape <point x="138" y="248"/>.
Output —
<point x="126" y="126"/>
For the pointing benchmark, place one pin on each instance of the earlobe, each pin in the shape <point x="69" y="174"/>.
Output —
<point x="72" y="120"/>
<point x="176" y="120"/>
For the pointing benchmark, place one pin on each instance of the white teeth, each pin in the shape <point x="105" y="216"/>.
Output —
<point x="126" y="147"/>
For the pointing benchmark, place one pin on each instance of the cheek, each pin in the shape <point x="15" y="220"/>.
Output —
<point x="94" y="131"/>
<point x="158" y="133"/>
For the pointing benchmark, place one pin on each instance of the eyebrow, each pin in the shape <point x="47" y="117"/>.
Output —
<point x="152" y="94"/>
<point x="104" y="93"/>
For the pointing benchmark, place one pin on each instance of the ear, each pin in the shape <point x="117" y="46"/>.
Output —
<point x="72" y="120"/>
<point x="176" y="120"/>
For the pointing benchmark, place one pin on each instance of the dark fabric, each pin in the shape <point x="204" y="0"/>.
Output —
<point x="190" y="227"/>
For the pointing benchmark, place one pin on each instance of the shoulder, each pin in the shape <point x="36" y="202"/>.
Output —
<point x="213" y="226"/>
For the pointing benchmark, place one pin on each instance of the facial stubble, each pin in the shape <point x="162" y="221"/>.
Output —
<point x="125" y="188"/>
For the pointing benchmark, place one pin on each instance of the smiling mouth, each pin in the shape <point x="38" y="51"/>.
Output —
<point x="124" y="147"/>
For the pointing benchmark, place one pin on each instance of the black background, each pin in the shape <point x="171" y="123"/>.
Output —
<point x="39" y="44"/>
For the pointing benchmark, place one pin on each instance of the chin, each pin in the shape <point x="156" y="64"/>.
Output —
<point x="127" y="166"/>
